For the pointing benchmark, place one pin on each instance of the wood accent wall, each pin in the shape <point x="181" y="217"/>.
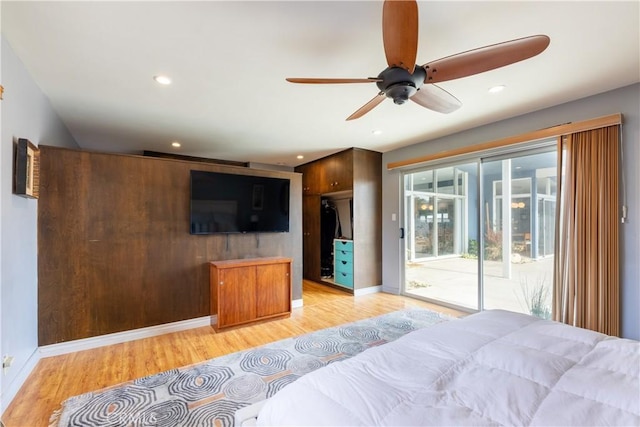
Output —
<point x="114" y="249"/>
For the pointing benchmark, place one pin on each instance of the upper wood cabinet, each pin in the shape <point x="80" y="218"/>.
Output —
<point x="310" y="178"/>
<point x="336" y="172"/>
<point x="328" y="175"/>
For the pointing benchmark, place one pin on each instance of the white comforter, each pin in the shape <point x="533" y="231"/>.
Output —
<point x="490" y="368"/>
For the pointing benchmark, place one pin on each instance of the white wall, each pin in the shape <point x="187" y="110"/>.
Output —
<point x="26" y="113"/>
<point x="624" y="100"/>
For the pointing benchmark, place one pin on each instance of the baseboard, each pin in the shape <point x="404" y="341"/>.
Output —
<point x="120" y="337"/>
<point x="366" y="291"/>
<point x="296" y="303"/>
<point x="14" y="387"/>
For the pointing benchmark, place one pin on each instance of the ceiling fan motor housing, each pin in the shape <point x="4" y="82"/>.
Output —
<point x="399" y="84"/>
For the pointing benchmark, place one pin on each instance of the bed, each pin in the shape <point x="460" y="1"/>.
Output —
<point x="491" y="368"/>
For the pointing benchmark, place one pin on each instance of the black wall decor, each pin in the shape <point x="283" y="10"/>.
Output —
<point x="26" y="169"/>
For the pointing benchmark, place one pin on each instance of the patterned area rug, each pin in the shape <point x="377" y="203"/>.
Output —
<point x="209" y="393"/>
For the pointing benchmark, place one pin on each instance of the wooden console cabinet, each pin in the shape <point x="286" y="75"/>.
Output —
<point x="249" y="290"/>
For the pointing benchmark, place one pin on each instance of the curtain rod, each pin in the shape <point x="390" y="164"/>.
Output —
<point x="550" y="132"/>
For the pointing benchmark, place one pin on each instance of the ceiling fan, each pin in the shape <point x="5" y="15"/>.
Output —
<point x="403" y="79"/>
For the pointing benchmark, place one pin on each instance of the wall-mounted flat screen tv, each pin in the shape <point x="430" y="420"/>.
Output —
<point x="231" y="203"/>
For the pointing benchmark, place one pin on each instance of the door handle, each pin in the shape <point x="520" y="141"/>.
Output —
<point x="402" y="232"/>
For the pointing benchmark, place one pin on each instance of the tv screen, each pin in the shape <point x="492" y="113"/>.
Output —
<point x="230" y="203"/>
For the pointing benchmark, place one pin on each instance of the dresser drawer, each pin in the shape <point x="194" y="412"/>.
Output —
<point x="343" y="245"/>
<point x="343" y="266"/>
<point x="344" y="279"/>
<point x="343" y="256"/>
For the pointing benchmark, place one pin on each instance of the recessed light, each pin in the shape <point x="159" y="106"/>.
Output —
<point x="497" y="89"/>
<point x="176" y="144"/>
<point x="163" y="80"/>
<point x="376" y="131"/>
<point x="299" y="157"/>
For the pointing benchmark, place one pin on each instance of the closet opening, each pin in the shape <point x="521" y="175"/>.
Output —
<point x="336" y="237"/>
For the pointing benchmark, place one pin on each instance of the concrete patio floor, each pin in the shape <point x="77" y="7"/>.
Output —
<point x="455" y="281"/>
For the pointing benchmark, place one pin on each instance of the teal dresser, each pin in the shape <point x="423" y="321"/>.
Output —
<point x="343" y="262"/>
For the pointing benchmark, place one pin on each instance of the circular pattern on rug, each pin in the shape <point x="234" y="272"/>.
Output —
<point x="244" y="387"/>
<point x="200" y="381"/>
<point x="170" y="413"/>
<point x="304" y="364"/>
<point x="217" y="413"/>
<point x="277" y="384"/>
<point x="119" y="406"/>
<point x="157" y="379"/>
<point x="352" y="348"/>
<point x="401" y="323"/>
<point x="317" y="345"/>
<point x="264" y="361"/>
<point x="360" y="333"/>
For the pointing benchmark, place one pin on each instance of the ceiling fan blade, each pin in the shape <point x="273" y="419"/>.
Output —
<point x="400" y="33"/>
<point x="484" y="59"/>
<point x="437" y="99"/>
<point x="332" y="81"/>
<point x="368" y="106"/>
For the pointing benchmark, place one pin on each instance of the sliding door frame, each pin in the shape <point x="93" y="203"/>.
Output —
<point x="478" y="157"/>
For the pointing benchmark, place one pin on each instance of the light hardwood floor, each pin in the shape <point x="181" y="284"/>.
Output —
<point x="57" y="378"/>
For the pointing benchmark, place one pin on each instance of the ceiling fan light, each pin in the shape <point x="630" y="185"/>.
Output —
<point x="401" y="92"/>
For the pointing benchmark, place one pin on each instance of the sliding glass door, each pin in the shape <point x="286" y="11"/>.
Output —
<point x="441" y="230"/>
<point x="480" y="234"/>
<point x="519" y="219"/>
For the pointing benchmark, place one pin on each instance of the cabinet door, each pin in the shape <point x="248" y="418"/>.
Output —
<point x="273" y="289"/>
<point x="310" y="178"/>
<point x="324" y="174"/>
<point x="336" y="172"/>
<point x="236" y="295"/>
<point x="341" y="171"/>
<point x="311" y="237"/>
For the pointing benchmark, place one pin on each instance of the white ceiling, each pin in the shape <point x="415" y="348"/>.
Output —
<point x="228" y="61"/>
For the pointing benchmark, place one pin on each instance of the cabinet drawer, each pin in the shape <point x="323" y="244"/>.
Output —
<point x="344" y="267"/>
<point x="343" y="256"/>
<point x="344" y="279"/>
<point x="343" y="245"/>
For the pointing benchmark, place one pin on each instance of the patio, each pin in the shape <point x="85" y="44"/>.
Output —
<point x="455" y="280"/>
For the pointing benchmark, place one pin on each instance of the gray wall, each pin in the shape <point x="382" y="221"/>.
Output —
<point x="625" y="100"/>
<point x="26" y="113"/>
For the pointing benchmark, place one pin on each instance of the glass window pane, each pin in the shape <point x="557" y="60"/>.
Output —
<point x="445" y="181"/>
<point x="519" y="223"/>
<point x="423" y="181"/>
